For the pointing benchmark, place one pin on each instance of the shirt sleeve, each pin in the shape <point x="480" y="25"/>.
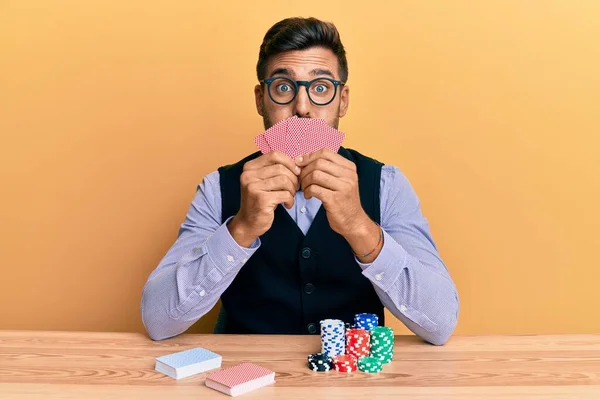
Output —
<point x="409" y="275"/>
<point x="196" y="270"/>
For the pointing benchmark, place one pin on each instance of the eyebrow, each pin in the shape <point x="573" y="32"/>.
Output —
<point x="281" y="71"/>
<point x="314" y="72"/>
<point x="319" y="71"/>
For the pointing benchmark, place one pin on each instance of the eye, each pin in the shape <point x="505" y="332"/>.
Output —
<point x="320" y="88"/>
<point x="284" y="88"/>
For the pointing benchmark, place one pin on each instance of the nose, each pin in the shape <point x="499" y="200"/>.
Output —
<point x="302" y="103"/>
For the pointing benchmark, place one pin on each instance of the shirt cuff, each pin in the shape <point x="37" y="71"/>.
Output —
<point x="388" y="265"/>
<point x="225" y="252"/>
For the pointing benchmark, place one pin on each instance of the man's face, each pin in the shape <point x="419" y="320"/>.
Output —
<point x="302" y="65"/>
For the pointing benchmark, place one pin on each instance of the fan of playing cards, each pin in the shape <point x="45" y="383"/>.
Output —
<point x="297" y="136"/>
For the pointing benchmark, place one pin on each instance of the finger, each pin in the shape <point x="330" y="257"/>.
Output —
<point x="251" y="176"/>
<point x="325" y="165"/>
<point x="276" y="170"/>
<point x="271" y="158"/>
<point x="326" y="154"/>
<point x="319" y="192"/>
<point x="324" y="179"/>
<point x="282" y="196"/>
<point x="277" y="183"/>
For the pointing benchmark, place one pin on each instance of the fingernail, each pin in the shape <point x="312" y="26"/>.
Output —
<point x="297" y="170"/>
<point x="299" y="159"/>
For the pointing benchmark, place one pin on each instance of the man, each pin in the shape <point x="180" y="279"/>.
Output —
<point x="351" y="238"/>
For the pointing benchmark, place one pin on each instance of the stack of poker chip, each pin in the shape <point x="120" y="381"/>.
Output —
<point x="320" y="362"/>
<point x="382" y="343"/>
<point x="365" y="321"/>
<point x="345" y="363"/>
<point x="333" y="341"/>
<point x="358" y="342"/>
<point x="370" y="365"/>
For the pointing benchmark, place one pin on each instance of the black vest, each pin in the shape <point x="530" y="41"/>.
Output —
<point x="294" y="281"/>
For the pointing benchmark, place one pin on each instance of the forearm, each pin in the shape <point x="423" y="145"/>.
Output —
<point x="416" y="290"/>
<point x="190" y="281"/>
<point x="365" y="240"/>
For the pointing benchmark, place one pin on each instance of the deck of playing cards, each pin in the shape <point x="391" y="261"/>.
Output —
<point x="240" y="379"/>
<point x="188" y="362"/>
<point x="297" y="136"/>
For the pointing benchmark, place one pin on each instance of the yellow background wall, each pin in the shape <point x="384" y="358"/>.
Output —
<point x="111" y="112"/>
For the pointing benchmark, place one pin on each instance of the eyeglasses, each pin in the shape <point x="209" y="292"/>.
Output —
<point x="321" y="91"/>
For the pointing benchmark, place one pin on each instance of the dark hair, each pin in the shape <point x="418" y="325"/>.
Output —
<point x="300" y="34"/>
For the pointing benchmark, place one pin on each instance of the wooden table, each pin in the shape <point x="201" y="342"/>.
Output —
<point x="75" y="365"/>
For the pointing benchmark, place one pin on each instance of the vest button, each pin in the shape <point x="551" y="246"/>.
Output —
<point x="312" y="328"/>
<point x="309" y="288"/>
<point x="306" y="252"/>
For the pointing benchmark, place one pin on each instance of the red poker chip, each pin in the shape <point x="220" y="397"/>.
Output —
<point x="345" y="363"/>
<point x="345" y="358"/>
<point x="346" y="368"/>
<point x="358" y="342"/>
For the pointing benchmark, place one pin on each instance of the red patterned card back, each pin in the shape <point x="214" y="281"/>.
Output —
<point x="238" y="374"/>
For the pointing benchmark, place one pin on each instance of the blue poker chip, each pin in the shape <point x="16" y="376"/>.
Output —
<point x="366" y="321"/>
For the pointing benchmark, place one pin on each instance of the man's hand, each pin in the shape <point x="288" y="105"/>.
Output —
<point x="266" y="182"/>
<point x="332" y="179"/>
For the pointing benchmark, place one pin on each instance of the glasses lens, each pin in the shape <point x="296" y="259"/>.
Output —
<point x="282" y="90"/>
<point x="322" y="91"/>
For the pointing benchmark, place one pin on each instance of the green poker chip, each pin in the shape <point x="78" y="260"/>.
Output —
<point x="370" y="365"/>
<point x="382" y="344"/>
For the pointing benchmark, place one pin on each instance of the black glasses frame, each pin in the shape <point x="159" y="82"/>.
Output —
<point x="306" y="84"/>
